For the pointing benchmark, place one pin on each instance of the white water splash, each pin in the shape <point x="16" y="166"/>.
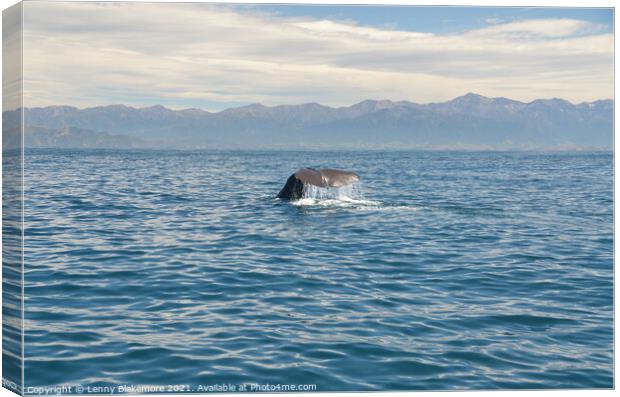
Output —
<point x="350" y="196"/>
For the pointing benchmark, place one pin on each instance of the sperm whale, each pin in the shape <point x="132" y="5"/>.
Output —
<point x="326" y="177"/>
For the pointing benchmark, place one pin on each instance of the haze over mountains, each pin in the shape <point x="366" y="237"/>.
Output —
<point x="467" y="122"/>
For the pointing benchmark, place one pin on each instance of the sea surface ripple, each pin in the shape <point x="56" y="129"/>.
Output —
<point x="441" y="270"/>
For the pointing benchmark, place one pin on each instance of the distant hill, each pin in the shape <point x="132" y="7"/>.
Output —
<point x="467" y="122"/>
<point x="73" y="137"/>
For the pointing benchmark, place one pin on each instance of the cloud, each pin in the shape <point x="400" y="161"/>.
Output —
<point x="547" y="28"/>
<point x="493" y="21"/>
<point x="11" y="60"/>
<point x="210" y="56"/>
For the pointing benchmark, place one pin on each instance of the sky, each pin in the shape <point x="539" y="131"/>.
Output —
<point x="209" y="56"/>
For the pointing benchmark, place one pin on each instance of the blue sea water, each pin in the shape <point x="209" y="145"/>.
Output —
<point x="441" y="270"/>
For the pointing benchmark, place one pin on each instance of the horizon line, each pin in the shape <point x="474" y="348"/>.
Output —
<point x="313" y="103"/>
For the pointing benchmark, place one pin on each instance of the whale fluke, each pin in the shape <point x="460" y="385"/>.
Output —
<point x="326" y="177"/>
<point x="310" y="176"/>
<point x="337" y="178"/>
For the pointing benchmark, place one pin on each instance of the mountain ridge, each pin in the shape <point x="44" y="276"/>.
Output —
<point x="467" y="95"/>
<point x="470" y="120"/>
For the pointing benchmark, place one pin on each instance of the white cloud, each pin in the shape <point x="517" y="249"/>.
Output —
<point x="548" y="28"/>
<point x="11" y="60"/>
<point x="337" y="30"/>
<point x="493" y="21"/>
<point x="178" y="54"/>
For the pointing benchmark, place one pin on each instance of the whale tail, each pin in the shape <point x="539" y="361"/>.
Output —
<point x="326" y="177"/>
<point x="293" y="189"/>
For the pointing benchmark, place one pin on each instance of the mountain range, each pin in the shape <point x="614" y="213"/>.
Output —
<point x="468" y="122"/>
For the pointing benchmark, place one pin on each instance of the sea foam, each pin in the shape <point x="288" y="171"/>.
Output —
<point x="345" y="196"/>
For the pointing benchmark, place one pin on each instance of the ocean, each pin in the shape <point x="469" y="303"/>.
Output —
<point x="438" y="271"/>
